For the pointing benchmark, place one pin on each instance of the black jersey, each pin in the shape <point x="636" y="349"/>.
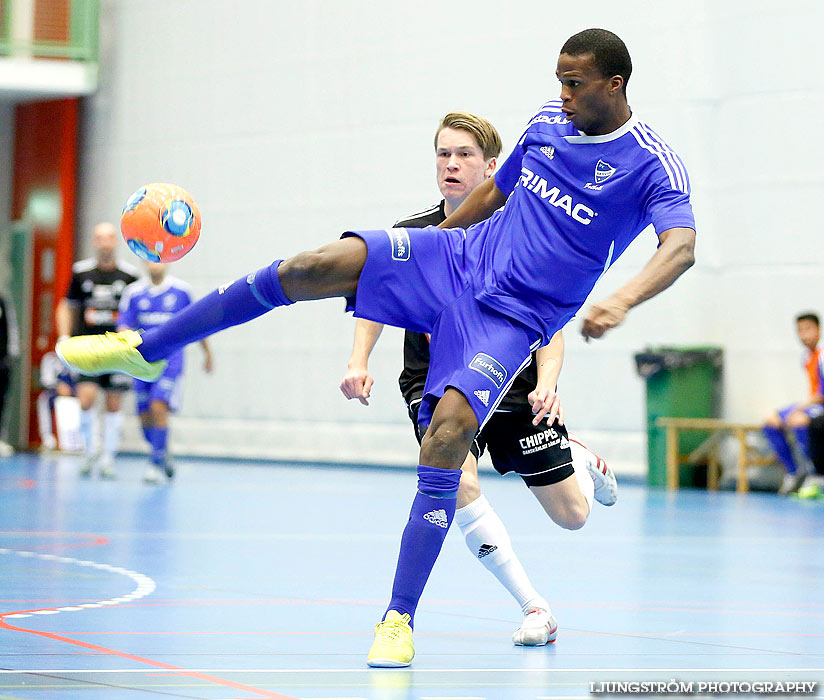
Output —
<point x="416" y="345"/>
<point x="9" y="338"/>
<point x="97" y="294"/>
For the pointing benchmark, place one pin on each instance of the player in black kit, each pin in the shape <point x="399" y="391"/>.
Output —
<point x="90" y="307"/>
<point x="526" y="434"/>
<point x="9" y="351"/>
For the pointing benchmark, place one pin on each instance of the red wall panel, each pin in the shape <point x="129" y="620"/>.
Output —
<point x="43" y="194"/>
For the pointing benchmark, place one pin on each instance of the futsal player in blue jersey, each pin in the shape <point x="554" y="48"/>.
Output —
<point x="585" y="179"/>
<point x="146" y="304"/>
<point x="560" y="472"/>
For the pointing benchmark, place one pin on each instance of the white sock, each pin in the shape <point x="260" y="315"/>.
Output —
<point x="489" y="542"/>
<point x="580" y="457"/>
<point x="44" y="417"/>
<point x="112" y="423"/>
<point x="88" y="429"/>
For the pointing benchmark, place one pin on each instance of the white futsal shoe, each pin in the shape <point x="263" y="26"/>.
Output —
<point x="606" y="486"/>
<point x="87" y="465"/>
<point x="107" y="470"/>
<point x="538" y="628"/>
<point x="153" y="475"/>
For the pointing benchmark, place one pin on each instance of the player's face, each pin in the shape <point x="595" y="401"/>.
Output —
<point x="460" y="164"/>
<point x="808" y="333"/>
<point x="104" y="240"/>
<point x="587" y="95"/>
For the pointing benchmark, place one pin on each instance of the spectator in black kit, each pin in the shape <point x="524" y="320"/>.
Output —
<point x="9" y="350"/>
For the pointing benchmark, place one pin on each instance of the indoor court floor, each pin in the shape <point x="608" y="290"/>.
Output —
<point x="253" y="580"/>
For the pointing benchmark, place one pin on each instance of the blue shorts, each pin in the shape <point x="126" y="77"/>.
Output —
<point x="167" y="389"/>
<point x="422" y="280"/>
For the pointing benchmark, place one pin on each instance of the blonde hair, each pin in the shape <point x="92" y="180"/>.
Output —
<point x="486" y="135"/>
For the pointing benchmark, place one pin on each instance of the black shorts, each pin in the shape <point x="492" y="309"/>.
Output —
<point x="108" y="382"/>
<point x="539" y="454"/>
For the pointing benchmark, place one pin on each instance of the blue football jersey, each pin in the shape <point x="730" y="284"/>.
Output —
<point x="145" y="305"/>
<point x="575" y="203"/>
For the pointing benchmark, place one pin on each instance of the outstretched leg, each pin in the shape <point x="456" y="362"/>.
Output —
<point x="333" y="270"/>
<point x="330" y="271"/>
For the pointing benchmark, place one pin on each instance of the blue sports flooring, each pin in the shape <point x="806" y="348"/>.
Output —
<point x="246" y="580"/>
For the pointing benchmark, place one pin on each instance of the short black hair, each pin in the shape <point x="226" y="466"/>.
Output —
<point x="610" y="52"/>
<point x="808" y="316"/>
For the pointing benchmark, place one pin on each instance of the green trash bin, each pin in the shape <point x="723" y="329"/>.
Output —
<point x="681" y="383"/>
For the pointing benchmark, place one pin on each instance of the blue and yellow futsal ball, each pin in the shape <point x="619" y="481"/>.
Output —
<point x="160" y="222"/>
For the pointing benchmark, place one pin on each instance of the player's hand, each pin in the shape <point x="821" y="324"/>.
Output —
<point x="545" y="404"/>
<point x="357" y="384"/>
<point x="602" y="317"/>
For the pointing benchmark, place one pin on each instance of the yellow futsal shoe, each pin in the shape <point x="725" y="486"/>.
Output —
<point x="112" y="352"/>
<point x="393" y="645"/>
<point x="811" y="489"/>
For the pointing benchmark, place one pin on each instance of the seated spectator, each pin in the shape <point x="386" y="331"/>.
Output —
<point x="813" y="486"/>
<point x="787" y="428"/>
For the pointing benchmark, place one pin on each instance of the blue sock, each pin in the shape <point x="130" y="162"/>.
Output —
<point x="778" y="441"/>
<point x="432" y="512"/>
<point x="802" y="439"/>
<point x="158" y="440"/>
<point x="243" y="300"/>
<point x="147" y="432"/>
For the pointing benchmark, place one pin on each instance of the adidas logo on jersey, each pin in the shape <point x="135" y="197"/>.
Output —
<point x="546" y="119"/>
<point x="564" y="443"/>
<point x="548" y="151"/>
<point x="437" y="517"/>
<point x="483" y="396"/>
<point x="486" y="549"/>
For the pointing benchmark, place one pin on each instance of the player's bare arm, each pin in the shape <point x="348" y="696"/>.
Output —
<point x="208" y="363"/>
<point x="357" y="382"/>
<point x="484" y="201"/>
<point x="674" y="257"/>
<point x="543" y="399"/>
<point x="65" y="317"/>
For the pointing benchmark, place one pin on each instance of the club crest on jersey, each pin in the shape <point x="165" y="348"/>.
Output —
<point x="400" y="243"/>
<point x="489" y="367"/>
<point x="603" y="171"/>
<point x="548" y="151"/>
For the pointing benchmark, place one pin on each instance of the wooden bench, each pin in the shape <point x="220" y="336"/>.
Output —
<point x="717" y="428"/>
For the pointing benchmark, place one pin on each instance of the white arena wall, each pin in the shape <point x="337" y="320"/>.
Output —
<point x="290" y="122"/>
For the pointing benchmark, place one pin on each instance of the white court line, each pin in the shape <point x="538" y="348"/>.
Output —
<point x="419" y="671"/>
<point x="145" y="585"/>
